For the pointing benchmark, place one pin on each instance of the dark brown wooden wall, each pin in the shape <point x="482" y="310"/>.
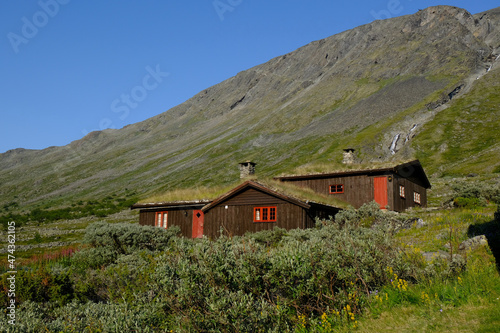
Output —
<point x="147" y="218"/>
<point x="357" y="189"/>
<point x="179" y="217"/>
<point x="400" y="204"/>
<point x="237" y="219"/>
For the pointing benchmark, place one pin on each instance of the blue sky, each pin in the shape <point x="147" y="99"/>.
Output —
<point x="69" y="67"/>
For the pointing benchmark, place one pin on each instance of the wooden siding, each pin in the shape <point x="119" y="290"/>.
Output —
<point x="234" y="213"/>
<point x="236" y="220"/>
<point x="147" y="218"/>
<point x="252" y="196"/>
<point x="400" y="204"/>
<point x="357" y="189"/>
<point x="183" y="218"/>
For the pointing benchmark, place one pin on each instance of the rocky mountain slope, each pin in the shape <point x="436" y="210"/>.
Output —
<point x="377" y="88"/>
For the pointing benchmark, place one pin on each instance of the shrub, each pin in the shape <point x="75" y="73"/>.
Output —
<point x="467" y="190"/>
<point x="125" y="238"/>
<point x="370" y="215"/>
<point x="268" y="237"/>
<point x="475" y="190"/>
<point x="41" y="285"/>
<point x="109" y="241"/>
<point x="308" y="272"/>
<point x="88" y="317"/>
<point x="470" y="202"/>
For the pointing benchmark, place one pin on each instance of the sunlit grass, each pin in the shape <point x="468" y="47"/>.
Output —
<point x="190" y="194"/>
<point x="465" y="301"/>
<point x="444" y="226"/>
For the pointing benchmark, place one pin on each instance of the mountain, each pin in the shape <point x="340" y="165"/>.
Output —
<point x="421" y="85"/>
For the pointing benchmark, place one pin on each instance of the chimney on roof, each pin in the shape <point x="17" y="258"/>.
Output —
<point x="247" y="169"/>
<point x="348" y="156"/>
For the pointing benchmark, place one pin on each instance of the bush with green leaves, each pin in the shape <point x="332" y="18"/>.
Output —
<point x="268" y="237"/>
<point x="109" y="241"/>
<point x="370" y="215"/>
<point x="475" y="194"/>
<point x="470" y="202"/>
<point x="306" y="272"/>
<point x="88" y="317"/>
<point x="133" y="276"/>
<point x="39" y="285"/>
<point x="367" y="215"/>
<point x="125" y="238"/>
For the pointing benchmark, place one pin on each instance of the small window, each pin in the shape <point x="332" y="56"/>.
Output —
<point x="161" y="220"/>
<point x="416" y="198"/>
<point x="402" y="191"/>
<point x="264" y="214"/>
<point x="337" y="188"/>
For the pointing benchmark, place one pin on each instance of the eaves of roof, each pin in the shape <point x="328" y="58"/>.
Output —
<point x="174" y="204"/>
<point x="259" y="187"/>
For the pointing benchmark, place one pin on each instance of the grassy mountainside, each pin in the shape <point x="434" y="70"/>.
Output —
<point x="464" y="138"/>
<point x="360" y="89"/>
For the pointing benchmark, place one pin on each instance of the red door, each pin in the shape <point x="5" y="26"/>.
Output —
<point x="197" y="224"/>
<point x="380" y="191"/>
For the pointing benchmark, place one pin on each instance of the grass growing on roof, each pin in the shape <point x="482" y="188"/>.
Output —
<point x="190" y="194"/>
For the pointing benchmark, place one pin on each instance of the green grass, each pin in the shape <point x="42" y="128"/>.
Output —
<point x="464" y="137"/>
<point x="468" y="301"/>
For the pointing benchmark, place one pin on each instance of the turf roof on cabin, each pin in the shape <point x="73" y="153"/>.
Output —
<point x="412" y="167"/>
<point x="282" y="189"/>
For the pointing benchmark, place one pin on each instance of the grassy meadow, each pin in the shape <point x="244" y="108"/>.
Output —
<point x="364" y="272"/>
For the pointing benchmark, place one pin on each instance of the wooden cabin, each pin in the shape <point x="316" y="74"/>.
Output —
<point x="395" y="188"/>
<point x="249" y="207"/>
<point x="252" y="207"/>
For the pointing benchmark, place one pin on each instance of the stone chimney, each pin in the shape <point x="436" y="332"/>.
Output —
<point x="247" y="169"/>
<point x="348" y="156"/>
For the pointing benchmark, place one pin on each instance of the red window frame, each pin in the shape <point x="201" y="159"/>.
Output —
<point x="336" y="188"/>
<point x="161" y="220"/>
<point x="265" y="214"/>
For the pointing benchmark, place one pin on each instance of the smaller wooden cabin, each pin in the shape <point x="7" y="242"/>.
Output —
<point x="252" y="207"/>
<point x="395" y="188"/>
<point x="187" y="215"/>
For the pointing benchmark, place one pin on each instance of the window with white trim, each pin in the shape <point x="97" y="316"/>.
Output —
<point x="416" y="198"/>
<point x="402" y="191"/>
